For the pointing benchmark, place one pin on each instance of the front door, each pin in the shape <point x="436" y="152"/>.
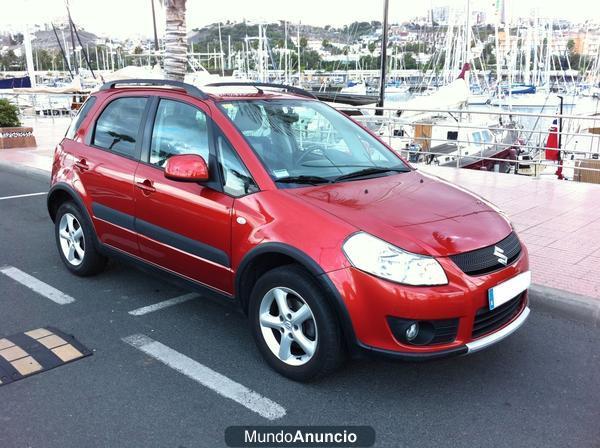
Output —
<point x="183" y="226"/>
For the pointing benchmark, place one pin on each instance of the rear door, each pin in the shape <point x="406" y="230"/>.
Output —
<point x="183" y="226"/>
<point x="106" y="166"/>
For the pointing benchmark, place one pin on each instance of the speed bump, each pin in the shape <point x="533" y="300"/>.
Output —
<point x="35" y="351"/>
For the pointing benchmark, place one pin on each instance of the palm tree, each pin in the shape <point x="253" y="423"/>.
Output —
<point x="175" y="40"/>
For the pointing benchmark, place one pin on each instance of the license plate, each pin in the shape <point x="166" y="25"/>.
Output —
<point x="509" y="289"/>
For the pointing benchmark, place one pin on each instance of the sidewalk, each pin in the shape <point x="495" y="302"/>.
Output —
<point x="558" y="221"/>
<point x="48" y="132"/>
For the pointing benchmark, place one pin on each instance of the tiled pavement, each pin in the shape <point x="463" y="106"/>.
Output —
<point x="559" y="221"/>
<point x="48" y="132"/>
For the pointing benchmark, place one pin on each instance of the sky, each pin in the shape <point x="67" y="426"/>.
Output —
<point x="130" y="18"/>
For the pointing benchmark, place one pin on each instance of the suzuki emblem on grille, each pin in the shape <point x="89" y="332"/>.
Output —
<point x="499" y="252"/>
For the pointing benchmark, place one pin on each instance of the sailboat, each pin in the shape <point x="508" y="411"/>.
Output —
<point x="428" y="133"/>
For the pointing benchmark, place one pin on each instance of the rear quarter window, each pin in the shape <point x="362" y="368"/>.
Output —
<point x="118" y="125"/>
<point x="78" y="119"/>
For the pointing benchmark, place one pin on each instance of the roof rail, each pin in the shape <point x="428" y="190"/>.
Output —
<point x="190" y="89"/>
<point x="286" y="87"/>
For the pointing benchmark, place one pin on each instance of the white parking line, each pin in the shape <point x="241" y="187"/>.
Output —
<point x="23" y="195"/>
<point x="207" y="377"/>
<point x="160" y="305"/>
<point x="37" y="285"/>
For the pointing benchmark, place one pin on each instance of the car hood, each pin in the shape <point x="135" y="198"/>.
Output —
<point x="417" y="212"/>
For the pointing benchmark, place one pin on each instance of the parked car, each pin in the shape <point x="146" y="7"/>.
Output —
<point x="330" y="242"/>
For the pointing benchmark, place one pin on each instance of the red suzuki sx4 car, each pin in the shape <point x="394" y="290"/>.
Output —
<point x="328" y="240"/>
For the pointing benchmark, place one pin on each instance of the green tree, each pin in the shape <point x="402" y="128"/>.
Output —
<point x="16" y="39"/>
<point x="9" y="114"/>
<point x="410" y="63"/>
<point x="10" y="61"/>
<point x="489" y="54"/>
<point x="44" y="59"/>
<point x="311" y="60"/>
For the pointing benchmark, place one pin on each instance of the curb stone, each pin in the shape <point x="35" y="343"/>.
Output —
<point x="566" y="304"/>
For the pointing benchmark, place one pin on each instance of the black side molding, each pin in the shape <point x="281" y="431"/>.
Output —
<point x="173" y="277"/>
<point x="161" y="234"/>
<point x="182" y="242"/>
<point x="113" y="216"/>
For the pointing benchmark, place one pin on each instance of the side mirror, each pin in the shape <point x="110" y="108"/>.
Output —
<point x="186" y="168"/>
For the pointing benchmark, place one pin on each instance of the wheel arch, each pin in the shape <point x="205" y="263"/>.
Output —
<point x="270" y="255"/>
<point x="60" y="193"/>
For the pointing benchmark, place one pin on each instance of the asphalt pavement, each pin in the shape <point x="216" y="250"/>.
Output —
<point x="538" y="388"/>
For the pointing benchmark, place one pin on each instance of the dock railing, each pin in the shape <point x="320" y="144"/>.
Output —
<point x="396" y="126"/>
<point x="45" y="105"/>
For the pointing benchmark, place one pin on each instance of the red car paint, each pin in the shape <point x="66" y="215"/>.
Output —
<point x="416" y="212"/>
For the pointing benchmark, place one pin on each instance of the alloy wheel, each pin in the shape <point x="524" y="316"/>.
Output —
<point x="288" y="326"/>
<point x="72" y="242"/>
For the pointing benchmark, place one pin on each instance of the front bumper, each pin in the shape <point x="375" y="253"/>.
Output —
<point x="370" y="301"/>
<point x="468" y="348"/>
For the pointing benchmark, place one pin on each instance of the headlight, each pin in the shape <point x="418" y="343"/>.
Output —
<point x="375" y="256"/>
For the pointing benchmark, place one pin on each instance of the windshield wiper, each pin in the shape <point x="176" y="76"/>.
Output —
<point x="369" y="171"/>
<point x="311" y="180"/>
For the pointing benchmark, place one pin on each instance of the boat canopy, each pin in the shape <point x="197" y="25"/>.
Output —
<point x="11" y="83"/>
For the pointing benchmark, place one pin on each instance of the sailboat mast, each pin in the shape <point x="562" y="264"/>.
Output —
<point x="285" y="33"/>
<point x="221" y="51"/>
<point x="498" y="57"/>
<point x="299" y="71"/>
<point x="229" y="51"/>
<point x="154" y="25"/>
<point x="72" y="38"/>
<point x="384" y="41"/>
<point x="29" y="55"/>
<point x="468" y="33"/>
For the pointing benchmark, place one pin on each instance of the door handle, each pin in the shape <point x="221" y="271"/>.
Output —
<point x="82" y="165"/>
<point x="146" y="186"/>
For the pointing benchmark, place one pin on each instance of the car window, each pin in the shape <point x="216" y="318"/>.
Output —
<point x="178" y="129"/>
<point x="237" y="180"/>
<point x="81" y="114"/>
<point x="118" y="125"/>
<point x="296" y="138"/>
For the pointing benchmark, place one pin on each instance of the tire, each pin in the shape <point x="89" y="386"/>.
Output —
<point x="320" y="333"/>
<point x="75" y="240"/>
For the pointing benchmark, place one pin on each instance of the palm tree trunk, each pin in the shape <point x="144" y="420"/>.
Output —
<point x="175" y="40"/>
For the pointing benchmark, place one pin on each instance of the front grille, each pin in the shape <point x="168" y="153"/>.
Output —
<point x="483" y="261"/>
<point x="487" y="321"/>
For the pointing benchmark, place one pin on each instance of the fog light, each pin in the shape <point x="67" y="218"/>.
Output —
<point x="412" y="331"/>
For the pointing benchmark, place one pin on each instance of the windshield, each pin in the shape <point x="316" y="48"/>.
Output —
<point x="309" y="142"/>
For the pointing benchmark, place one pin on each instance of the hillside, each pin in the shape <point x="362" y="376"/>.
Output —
<point x="275" y="31"/>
